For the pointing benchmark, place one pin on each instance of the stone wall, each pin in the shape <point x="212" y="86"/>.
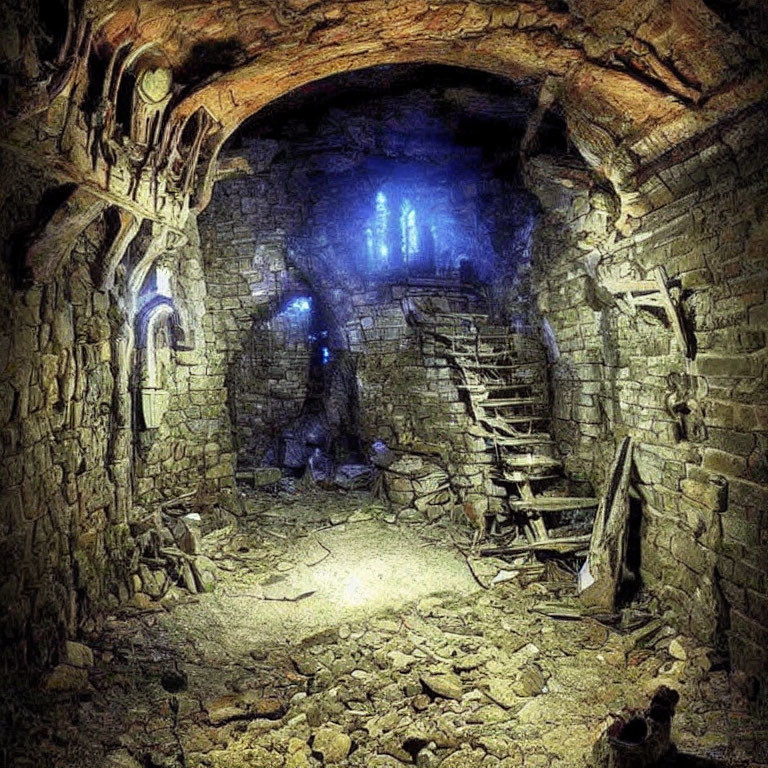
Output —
<point x="77" y="464"/>
<point x="65" y="480"/>
<point x="269" y="382"/>
<point x="406" y="394"/>
<point x="299" y="216"/>
<point x="248" y="281"/>
<point x="701" y="475"/>
<point x="191" y="449"/>
<point x="410" y="400"/>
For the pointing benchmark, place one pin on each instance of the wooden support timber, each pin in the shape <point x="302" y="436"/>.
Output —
<point x="654" y="293"/>
<point x="602" y="573"/>
<point x="562" y="545"/>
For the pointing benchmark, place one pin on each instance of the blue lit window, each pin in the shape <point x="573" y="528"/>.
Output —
<point x="409" y="234"/>
<point x="369" y="246"/>
<point x="381" y="221"/>
<point x="163" y="280"/>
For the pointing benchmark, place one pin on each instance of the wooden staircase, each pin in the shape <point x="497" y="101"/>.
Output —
<point x="503" y="376"/>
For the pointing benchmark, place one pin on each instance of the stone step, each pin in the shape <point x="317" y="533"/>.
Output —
<point x="502" y="427"/>
<point x="520" y="476"/>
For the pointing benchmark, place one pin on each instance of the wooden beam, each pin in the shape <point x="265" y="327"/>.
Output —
<point x="673" y="313"/>
<point x="56" y="236"/>
<point x="629" y="286"/>
<point x="562" y="545"/>
<point x="129" y="226"/>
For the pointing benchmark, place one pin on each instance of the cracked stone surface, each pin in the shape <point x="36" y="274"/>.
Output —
<point x="430" y="671"/>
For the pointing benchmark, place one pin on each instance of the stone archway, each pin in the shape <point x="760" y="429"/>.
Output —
<point x="626" y="100"/>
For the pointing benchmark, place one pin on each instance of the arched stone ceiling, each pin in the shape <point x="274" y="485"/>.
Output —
<point x="633" y="77"/>
<point x="641" y="60"/>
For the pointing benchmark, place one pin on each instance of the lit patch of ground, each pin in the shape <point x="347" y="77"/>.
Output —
<point x="334" y="637"/>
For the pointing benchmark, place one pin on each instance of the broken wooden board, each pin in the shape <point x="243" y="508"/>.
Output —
<point x="554" y="503"/>
<point x="602" y="573"/>
<point x="563" y="546"/>
<point x="673" y="314"/>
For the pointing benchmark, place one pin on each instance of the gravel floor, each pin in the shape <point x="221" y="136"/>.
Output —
<point x="335" y="635"/>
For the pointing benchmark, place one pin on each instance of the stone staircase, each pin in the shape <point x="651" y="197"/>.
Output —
<point x="502" y="375"/>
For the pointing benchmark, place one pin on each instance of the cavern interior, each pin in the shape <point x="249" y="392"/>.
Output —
<point x="384" y="383"/>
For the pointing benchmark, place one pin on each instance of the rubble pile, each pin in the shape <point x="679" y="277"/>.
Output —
<point x="498" y="678"/>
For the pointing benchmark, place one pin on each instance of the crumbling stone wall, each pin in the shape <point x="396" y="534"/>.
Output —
<point x="704" y="498"/>
<point x="65" y="480"/>
<point x="269" y="383"/>
<point x="247" y="282"/>
<point x="75" y="460"/>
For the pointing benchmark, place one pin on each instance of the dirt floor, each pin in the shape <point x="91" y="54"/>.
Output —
<point x="334" y="634"/>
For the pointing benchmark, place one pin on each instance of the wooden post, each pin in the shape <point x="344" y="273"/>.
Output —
<point x="601" y="574"/>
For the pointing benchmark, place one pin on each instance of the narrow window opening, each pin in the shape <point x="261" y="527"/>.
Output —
<point x="381" y="249"/>
<point x="409" y="234"/>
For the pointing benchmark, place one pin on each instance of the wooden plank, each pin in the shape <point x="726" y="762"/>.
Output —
<point x="479" y="354"/>
<point x="673" y="313"/>
<point x="534" y="524"/>
<point x="525" y="461"/>
<point x="540" y="438"/>
<point x="525" y="490"/>
<point x="563" y="545"/>
<point x="554" y="503"/>
<point x="506" y="366"/>
<point x="518" y="476"/>
<point x="508" y="402"/>
<point x="629" y="286"/>
<point x="496" y="387"/>
<point x="498" y="427"/>
<point x="603" y="571"/>
<point x="524" y="419"/>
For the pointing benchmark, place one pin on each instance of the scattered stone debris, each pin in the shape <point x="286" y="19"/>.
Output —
<point x="485" y="679"/>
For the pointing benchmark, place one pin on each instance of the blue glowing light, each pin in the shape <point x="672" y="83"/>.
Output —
<point x="409" y="235"/>
<point x="381" y="224"/>
<point x="382" y="254"/>
<point x="326" y="355"/>
<point x="163" y="280"/>
<point x="300" y="304"/>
